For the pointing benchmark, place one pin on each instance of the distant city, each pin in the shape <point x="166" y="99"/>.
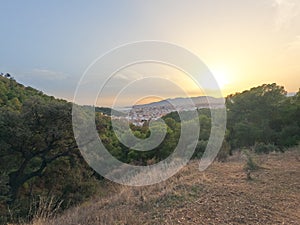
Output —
<point x="139" y="114"/>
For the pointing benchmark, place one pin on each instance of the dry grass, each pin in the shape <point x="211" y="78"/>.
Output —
<point x="220" y="195"/>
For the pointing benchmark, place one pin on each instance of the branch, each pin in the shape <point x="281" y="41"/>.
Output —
<point x="43" y="166"/>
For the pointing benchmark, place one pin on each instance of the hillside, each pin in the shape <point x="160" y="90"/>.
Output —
<point x="199" y="102"/>
<point x="220" y="195"/>
<point x="108" y="111"/>
<point x="38" y="153"/>
<point x="13" y="94"/>
<point x="43" y="174"/>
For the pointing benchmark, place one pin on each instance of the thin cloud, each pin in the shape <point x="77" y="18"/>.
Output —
<point x="294" y="45"/>
<point x="287" y="10"/>
<point x="293" y="53"/>
<point x="289" y="57"/>
<point x="47" y="74"/>
<point x="129" y="75"/>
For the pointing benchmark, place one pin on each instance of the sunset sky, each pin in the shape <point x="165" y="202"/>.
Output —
<point x="49" y="44"/>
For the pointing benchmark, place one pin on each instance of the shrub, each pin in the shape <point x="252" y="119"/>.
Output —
<point x="224" y="152"/>
<point x="200" y="148"/>
<point x="265" y="148"/>
<point x="251" y="164"/>
<point x="4" y="196"/>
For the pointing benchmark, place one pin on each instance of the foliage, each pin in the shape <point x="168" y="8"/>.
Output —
<point x="251" y="164"/>
<point x="13" y="94"/>
<point x="38" y="153"/>
<point x="39" y="156"/>
<point x="224" y="152"/>
<point x="263" y="114"/>
<point x="264" y="148"/>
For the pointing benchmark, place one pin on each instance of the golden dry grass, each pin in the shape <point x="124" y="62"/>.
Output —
<point x="220" y="195"/>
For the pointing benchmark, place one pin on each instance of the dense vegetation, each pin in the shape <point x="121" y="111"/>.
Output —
<point x="39" y="156"/>
<point x="38" y="153"/>
<point x="263" y="117"/>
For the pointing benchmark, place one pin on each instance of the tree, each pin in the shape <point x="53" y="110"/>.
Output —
<point x="288" y="123"/>
<point x="253" y="114"/>
<point x="34" y="138"/>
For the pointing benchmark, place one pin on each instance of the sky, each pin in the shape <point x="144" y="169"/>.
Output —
<point x="50" y="44"/>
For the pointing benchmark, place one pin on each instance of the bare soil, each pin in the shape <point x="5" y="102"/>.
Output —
<point x="220" y="195"/>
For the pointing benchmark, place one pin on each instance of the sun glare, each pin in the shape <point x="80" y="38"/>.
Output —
<point x="221" y="76"/>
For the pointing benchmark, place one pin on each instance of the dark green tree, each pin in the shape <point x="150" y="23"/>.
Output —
<point x="36" y="136"/>
<point x="252" y="115"/>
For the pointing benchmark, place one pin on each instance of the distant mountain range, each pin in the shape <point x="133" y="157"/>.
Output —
<point x="199" y="102"/>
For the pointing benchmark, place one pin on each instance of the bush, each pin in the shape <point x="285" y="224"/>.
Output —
<point x="200" y="148"/>
<point x="224" y="152"/>
<point x="265" y="148"/>
<point x="4" y="197"/>
<point x="251" y="164"/>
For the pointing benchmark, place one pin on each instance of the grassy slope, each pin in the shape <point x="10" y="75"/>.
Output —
<point x="220" y="195"/>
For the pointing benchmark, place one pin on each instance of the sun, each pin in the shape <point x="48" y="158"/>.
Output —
<point x="221" y="76"/>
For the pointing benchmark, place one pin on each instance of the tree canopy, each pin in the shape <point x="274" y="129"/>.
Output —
<point x="263" y="114"/>
<point x="38" y="153"/>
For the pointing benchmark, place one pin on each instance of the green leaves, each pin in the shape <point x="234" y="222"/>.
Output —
<point x="38" y="151"/>
<point x="264" y="114"/>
